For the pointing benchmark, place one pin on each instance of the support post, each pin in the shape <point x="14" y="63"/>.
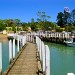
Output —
<point x="43" y="53"/>
<point x="21" y="40"/>
<point x="13" y="48"/>
<point x="18" y="48"/>
<point x="10" y="51"/>
<point x="29" y="37"/>
<point x="47" y="60"/>
<point x="24" y="39"/>
<point x="38" y="44"/>
<point x="0" y="58"/>
<point x="40" y="48"/>
<point x="36" y="39"/>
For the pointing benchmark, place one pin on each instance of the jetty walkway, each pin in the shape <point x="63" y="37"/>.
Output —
<point x="26" y="64"/>
<point x="32" y="57"/>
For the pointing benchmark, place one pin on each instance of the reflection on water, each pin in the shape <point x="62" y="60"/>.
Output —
<point x="5" y="55"/>
<point x="62" y="59"/>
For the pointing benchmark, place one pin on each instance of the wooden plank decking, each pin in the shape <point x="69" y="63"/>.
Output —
<point x="26" y="64"/>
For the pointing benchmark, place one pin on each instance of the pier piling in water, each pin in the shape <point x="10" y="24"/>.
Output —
<point x="47" y="60"/>
<point x="0" y="58"/>
<point x="10" y="51"/>
<point x="13" y="48"/>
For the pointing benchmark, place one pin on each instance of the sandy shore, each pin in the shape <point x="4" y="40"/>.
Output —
<point x="3" y="37"/>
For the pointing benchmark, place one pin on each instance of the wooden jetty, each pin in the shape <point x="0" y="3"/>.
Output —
<point x="26" y="64"/>
<point x="32" y="58"/>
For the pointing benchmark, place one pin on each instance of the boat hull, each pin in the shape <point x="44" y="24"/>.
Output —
<point x="70" y="44"/>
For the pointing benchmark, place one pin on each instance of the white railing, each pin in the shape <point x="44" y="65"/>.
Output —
<point x="21" y="41"/>
<point x="44" y="53"/>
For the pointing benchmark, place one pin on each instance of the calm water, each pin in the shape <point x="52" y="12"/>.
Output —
<point x="5" y="54"/>
<point x="62" y="59"/>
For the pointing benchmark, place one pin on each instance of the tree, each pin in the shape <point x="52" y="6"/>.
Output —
<point x="34" y="26"/>
<point x="38" y="19"/>
<point x="73" y="17"/>
<point x="2" y="25"/>
<point x="32" y="20"/>
<point x="8" y="22"/>
<point x="14" y="27"/>
<point x="66" y="17"/>
<point x="24" y="26"/>
<point x="60" y="19"/>
<point x="43" y="16"/>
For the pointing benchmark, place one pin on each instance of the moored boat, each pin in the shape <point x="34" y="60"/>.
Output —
<point x="70" y="42"/>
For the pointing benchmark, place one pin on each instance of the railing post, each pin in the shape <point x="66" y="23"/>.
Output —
<point x="0" y="58"/>
<point x="40" y="48"/>
<point x="18" y="48"/>
<point x="13" y="48"/>
<point x="23" y="40"/>
<point x="38" y="45"/>
<point x="31" y="38"/>
<point x="26" y="37"/>
<point x="10" y="51"/>
<point x="47" y="60"/>
<point x="43" y="54"/>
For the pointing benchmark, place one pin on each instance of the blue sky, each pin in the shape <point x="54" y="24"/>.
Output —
<point x="27" y="9"/>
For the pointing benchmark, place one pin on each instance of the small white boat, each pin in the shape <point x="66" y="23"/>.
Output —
<point x="69" y="42"/>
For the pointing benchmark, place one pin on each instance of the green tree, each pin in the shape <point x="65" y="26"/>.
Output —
<point x="2" y="25"/>
<point x="66" y="17"/>
<point x="32" y="20"/>
<point x="14" y="27"/>
<point x="60" y="19"/>
<point x="24" y="26"/>
<point x="73" y="17"/>
<point x="43" y="16"/>
<point x="8" y="22"/>
<point x="38" y="19"/>
<point x="34" y="26"/>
